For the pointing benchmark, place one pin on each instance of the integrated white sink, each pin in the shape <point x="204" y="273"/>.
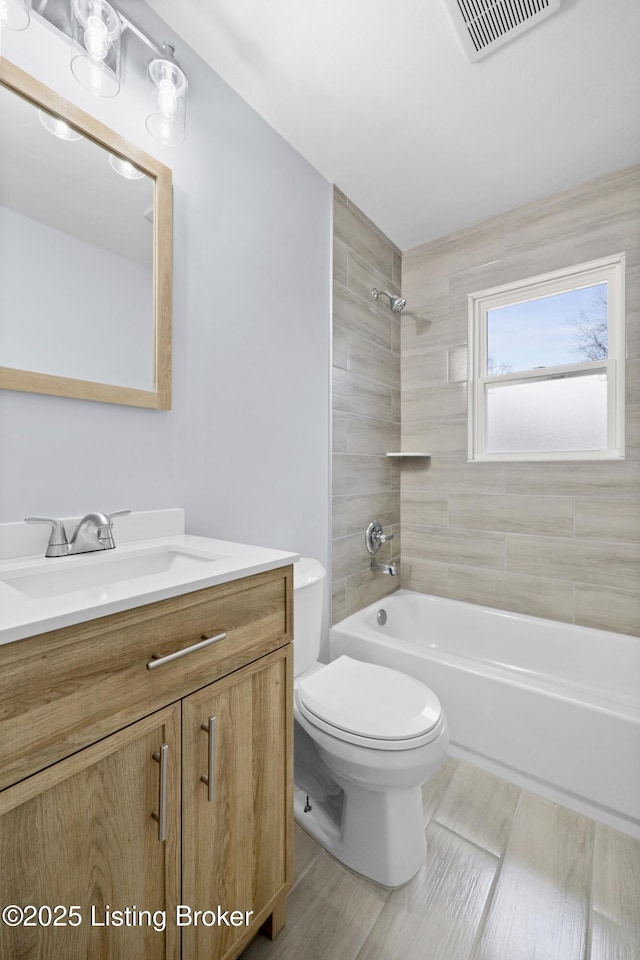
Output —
<point x="65" y="575"/>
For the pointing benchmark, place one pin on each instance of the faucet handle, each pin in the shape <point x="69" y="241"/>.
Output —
<point x="58" y="546"/>
<point x="118" y="513"/>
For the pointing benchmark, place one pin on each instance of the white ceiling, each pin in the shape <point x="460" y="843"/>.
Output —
<point x="380" y="98"/>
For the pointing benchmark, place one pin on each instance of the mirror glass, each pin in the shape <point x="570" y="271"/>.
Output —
<point x="83" y="300"/>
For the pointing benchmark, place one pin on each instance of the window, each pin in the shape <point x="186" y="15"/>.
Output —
<point x="546" y="366"/>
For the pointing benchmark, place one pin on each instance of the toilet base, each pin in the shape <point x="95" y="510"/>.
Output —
<point x="378" y="833"/>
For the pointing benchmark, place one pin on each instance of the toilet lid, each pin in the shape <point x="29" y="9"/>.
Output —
<point x="369" y="700"/>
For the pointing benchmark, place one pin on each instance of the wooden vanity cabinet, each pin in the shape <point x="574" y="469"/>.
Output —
<point x="84" y="830"/>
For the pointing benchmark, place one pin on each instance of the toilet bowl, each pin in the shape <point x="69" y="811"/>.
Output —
<point x="366" y="739"/>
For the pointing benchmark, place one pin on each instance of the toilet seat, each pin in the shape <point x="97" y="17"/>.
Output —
<point x="370" y="705"/>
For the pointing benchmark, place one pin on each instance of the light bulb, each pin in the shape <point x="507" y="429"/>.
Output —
<point x="167" y="97"/>
<point x="96" y="41"/>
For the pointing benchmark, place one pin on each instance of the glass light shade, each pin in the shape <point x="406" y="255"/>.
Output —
<point x="125" y="168"/>
<point x="15" y="14"/>
<point x="168" y="87"/>
<point x="59" y="128"/>
<point x="96" y="31"/>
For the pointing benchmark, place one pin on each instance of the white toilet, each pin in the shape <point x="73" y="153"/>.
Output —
<point x="366" y="739"/>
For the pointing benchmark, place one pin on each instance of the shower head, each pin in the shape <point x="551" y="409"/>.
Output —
<point x="397" y="303"/>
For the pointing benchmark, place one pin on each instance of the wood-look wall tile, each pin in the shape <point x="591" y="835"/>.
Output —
<point x="338" y="600"/>
<point x="363" y="508"/>
<point x="572" y="213"/>
<point x="361" y="396"/>
<point x="551" y="516"/>
<point x="446" y="402"/>
<point x="396" y="336"/>
<point x="350" y="557"/>
<point x="359" y="474"/>
<point x="540" y="904"/>
<point x="367" y="587"/>
<point x="632" y="381"/>
<point x="608" y="519"/>
<point x="368" y="436"/>
<point x="358" y="233"/>
<point x="459" y="251"/>
<point x="423" y="335"/>
<point x="340" y="353"/>
<point x="437" y="915"/>
<point x="396" y="405"/>
<point x="396" y="269"/>
<point x="517" y="266"/>
<point x="616" y="877"/>
<point x="339" y="262"/>
<point x="362" y="277"/>
<point x="457" y="363"/>
<point x="575" y="479"/>
<point x="607" y="608"/>
<point x="425" y="576"/>
<point x="436" y="436"/>
<point x="425" y="301"/>
<point x="599" y="562"/>
<point x="479" y="807"/>
<point x="424" y="370"/>
<point x="425" y="508"/>
<point x="339" y="517"/>
<point x="339" y="432"/>
<point x="444" y="545"/>
<point x="534" y="596"/>
<point x="356" y="315"/>
<point x="455" y="475"/>
<point x="370" y="360"/>
<point x="610" y="236"/>
<point x="633" y="342"/>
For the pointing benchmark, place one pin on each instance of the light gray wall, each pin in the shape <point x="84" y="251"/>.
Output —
<point x="245" y="448"/>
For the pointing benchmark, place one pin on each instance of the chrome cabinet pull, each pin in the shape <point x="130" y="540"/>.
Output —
<point x="160" y="814"/>
<point x="210" y="778"/>
<point x="206" y="641"/>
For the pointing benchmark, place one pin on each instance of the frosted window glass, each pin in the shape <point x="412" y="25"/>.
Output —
<point x="568" y="413"/>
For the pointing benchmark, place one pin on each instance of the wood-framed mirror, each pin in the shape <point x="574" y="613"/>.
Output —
<point x="85" y="254"/>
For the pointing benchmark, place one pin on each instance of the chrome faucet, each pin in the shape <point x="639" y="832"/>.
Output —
<point x="389" y="568"/>
<point x="94" y="532"/>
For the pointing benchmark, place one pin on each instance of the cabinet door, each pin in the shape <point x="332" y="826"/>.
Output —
<point x="81" y="834"/>
<point x="237" y="841"/>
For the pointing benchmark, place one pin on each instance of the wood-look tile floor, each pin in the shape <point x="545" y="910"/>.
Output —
<point x="508" y="876"/>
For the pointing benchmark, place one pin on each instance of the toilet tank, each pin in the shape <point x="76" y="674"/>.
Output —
<point x="309" y="581"/>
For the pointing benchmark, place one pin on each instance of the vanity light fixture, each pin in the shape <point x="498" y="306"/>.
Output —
<point x="15" y="14"/>
<point x="59" y="128"/>
<point x="168" y="87"/>
<point x="95" y="28"/>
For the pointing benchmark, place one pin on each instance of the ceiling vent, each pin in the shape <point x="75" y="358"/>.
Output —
<point x="484" y="25"/>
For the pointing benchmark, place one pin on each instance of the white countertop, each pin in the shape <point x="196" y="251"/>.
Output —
<point x="23" y="616"/>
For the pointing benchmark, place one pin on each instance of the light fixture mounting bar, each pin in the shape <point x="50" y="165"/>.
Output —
<point x="159" y="48"/>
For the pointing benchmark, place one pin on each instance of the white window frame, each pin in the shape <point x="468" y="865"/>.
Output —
<point x="608" y="269"/>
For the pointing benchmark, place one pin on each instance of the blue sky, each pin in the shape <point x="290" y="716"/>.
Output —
<point x="537" y="333"/>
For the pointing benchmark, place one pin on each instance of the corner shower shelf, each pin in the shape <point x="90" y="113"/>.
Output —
<point x="414" y="454"/>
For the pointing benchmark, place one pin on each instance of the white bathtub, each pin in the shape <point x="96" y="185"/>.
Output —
<point x="550" y="706"/>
